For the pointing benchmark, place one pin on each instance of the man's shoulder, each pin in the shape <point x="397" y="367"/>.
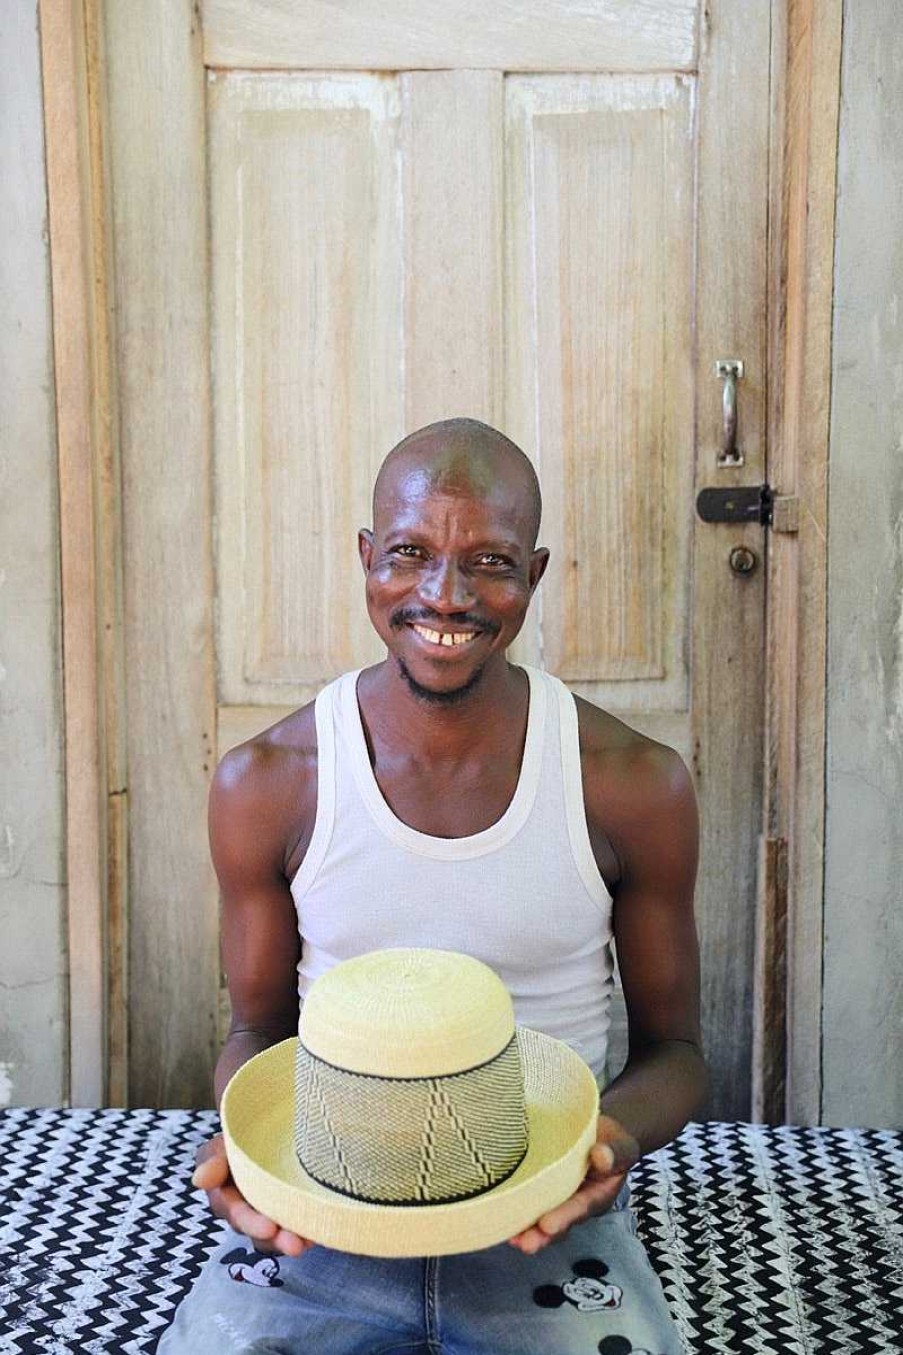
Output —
<point x="279" y="763"/>
<point x="623" y="767"/>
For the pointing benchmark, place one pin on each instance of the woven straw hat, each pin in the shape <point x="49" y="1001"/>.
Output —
<point x="421" y="1121"/>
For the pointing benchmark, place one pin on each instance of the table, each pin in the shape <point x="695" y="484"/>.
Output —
<point x="780" y="1241"/>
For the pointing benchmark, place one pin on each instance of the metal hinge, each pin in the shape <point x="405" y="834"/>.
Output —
<point x="749" y="503"/>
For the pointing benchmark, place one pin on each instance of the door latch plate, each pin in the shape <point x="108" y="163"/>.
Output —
<point x="749" y="503"/>
<point x="737" y="503"/>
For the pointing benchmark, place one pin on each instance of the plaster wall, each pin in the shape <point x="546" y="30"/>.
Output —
<point x="863" y="945"/>
<point x="32" y="888"/>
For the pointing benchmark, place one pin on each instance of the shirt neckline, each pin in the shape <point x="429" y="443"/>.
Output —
<point x="448" y="848"/>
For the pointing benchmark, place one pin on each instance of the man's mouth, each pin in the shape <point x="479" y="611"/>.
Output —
<point x="449" y="639"/>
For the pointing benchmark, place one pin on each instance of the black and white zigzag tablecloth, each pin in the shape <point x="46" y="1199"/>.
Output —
<point x="774" y="1241"/>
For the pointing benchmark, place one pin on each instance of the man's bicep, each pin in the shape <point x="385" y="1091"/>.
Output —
<point x="654" y="923"/>
<point x="260" y="944"/>
<point x="658" y="959"/>
<point x="260" y="952"/>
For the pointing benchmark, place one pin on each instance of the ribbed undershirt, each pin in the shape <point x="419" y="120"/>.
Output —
<point x="524" y="895"/>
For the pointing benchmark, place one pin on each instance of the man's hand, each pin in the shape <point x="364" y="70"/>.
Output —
<point x="212" y="1175"/>
<point x="611" y="1157"/>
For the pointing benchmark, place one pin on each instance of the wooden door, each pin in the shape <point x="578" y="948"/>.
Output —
<point x="332" y="224"/>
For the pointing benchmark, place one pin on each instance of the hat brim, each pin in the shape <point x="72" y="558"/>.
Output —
<point x="257" y="1112"/>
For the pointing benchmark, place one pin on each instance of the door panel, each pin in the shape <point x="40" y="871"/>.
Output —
<point x="306" y="319"/>
<point x="451" y="238"/>
<point x="600" y="372"/>
<point x="543" y="35"/>
<point x="347" y="290"/>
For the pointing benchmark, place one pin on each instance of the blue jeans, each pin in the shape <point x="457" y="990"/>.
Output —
<point x="592" y="1291"/>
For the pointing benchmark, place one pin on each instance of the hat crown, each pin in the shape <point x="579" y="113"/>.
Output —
<point x="407" y="1013"/>
<point x="408" y="1079"/>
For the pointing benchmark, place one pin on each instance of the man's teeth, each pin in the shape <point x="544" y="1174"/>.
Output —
<point x="445" y="638"/>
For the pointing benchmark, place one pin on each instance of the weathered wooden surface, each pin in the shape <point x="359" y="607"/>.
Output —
<point x="307" y="349"/>
<point x="108" y="530"/>
<point x="599" y="345"/>
<point x="805" y="81"/>
<point x="156" y="93"/>
<point x="607" y="411"/>
<point x="863" y="924"/>
<point x="70" y="220"/>
<point x="811" y="34"/>
<point x="452" y="154"/>
<point x="769" y="1080"/>
<point x="33" y="1039"/>
<point x="511" y="35"/>
<point x="729" y="620"/>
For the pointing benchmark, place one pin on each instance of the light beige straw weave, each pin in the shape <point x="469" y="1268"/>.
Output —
<point x="430" y="1124"/>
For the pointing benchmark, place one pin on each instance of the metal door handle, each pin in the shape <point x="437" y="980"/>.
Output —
<point x="730" y="371"/>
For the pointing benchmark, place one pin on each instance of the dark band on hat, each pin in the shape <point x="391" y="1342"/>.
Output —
<point x="411" y="1141"/>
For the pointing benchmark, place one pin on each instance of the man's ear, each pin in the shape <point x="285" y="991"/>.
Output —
<point x="365" y="547"/>
<point x="538" y="561"/>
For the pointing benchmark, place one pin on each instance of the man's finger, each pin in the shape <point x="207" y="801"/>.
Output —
<point x="602" y="1157"/>
<point x="290" y="1244"/>
<point x="592" y="1198"/>
<point x="210" y="1173"/>
<point x="246" y="1220"/>
<point x="615" y="1149"/>
<point x="227" y="1203"/>
<point x="530" y="1241"/>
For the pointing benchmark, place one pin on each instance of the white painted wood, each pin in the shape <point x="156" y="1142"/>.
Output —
<point x="33" y="1033"/>
<point x="307" y="298"/>
<point x="452" y="139"/>
<point x="511" y="35"/>
<point x="599" y="371"/>
<point x="332" y="276"/>
<point x="328" y="222"/>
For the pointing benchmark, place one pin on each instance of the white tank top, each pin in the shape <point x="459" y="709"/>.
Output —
<point x="524" y="896"/>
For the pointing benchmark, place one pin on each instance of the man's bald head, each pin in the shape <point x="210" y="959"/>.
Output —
<point x="462" y="456"/>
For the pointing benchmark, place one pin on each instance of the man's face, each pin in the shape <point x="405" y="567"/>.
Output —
<point x="450" y="573"/>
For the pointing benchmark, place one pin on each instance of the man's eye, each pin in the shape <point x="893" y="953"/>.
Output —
<point x="491" y="559"/>
<point x="406" y="550"/>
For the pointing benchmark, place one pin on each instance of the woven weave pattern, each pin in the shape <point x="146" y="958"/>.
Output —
<point x="410" y="1140"/>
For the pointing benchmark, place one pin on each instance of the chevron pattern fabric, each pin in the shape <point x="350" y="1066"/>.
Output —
<point x="778" y="1241"/>
<point x="769" y="1241"/>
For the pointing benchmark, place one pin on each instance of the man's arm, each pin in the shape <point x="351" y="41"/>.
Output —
<point x="664" y="1081"/>
<point x="256" y="802"/>
<point x="642" y="794"/>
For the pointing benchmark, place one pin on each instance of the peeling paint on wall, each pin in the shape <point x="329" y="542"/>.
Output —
<point x="6" y="1084"/>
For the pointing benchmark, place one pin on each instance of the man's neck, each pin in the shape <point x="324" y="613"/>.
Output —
<point x="492" y="712"/>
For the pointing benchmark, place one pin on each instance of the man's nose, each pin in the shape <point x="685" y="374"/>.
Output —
<point x="446" y="587"/>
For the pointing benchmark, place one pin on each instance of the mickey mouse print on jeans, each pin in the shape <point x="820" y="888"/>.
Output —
<point x="589" y="1292"/>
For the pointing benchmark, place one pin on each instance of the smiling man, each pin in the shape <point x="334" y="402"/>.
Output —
<point x="458" y="482"/>
<point x="446" y="798"/>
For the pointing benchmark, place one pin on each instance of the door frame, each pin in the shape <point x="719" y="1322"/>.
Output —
<point x="805" y="85"/>
<point x="806" y="68"/>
